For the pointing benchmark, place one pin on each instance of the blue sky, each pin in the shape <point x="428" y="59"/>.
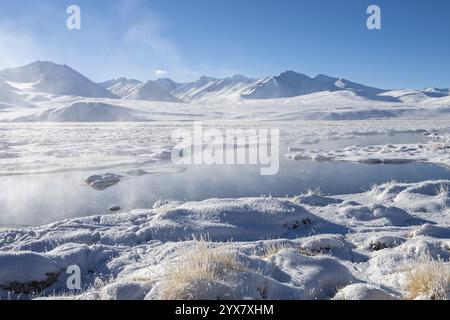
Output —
<point x="184" y="39"/>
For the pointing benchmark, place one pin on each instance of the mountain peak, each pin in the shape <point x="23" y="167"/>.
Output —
<point x="165" y="79"/>
<point x="49" y="77"/>
<point x="205" y="80"/>
<point x="151" y="91"/>
<point x="291" y="73"/>
<point x="240" y="78"/>
<point x="324" y="77"/>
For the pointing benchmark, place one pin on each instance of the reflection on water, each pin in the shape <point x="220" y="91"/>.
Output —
<point x="39" y="199"/>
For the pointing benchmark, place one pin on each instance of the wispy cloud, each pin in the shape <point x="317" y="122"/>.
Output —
<point x="160" y="73"/>
<point x="147" y="34"/>
<point x="17" y="46"/>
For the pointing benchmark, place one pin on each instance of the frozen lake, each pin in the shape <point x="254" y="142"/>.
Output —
<point x="31" y="198"/>
<point x="40" y="199"/>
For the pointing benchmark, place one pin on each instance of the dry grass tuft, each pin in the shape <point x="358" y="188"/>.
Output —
<point x="429" y="279"/>
<point x="272" y="248"/>
<point x="442" y="190"/>
<point x="374" y="187"/>
<point x="203" y="265"/>
<point x="313" y="192"/>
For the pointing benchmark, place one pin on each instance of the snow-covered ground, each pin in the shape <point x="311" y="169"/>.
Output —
<point x="390" y="242"/>
<point x="308" y="247"/>
<point x="341" y="105"/>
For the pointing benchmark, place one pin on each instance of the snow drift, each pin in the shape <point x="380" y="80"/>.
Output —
<point x="84" y="112"/>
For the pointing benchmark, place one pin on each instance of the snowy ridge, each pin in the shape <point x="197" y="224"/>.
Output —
<point x="292" y="84"/>
<point x="151" y="91"/>
<point x="210" y="89"/>
<point x="121" y="87"/>
<point x="168" y="84"/>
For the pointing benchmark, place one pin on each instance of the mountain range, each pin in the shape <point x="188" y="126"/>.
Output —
<point x="51" y="78"/>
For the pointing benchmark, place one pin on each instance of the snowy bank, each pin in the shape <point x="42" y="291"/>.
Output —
<point x="360" y="246"/>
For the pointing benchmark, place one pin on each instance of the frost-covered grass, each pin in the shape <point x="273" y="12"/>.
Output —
<point x="272" y="248"/>
<point x="201" y="267"/>
<point x="429" y="279"/>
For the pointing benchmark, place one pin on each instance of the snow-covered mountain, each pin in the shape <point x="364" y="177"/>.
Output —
<point x="121" y="87"/>
<point x="292" y="84"/>
<point x="437" y="92"/>
<point x="48" y="77"/>
<point x="344" y="84"/>
<point x="211" y="89"/>
<point x="237" y="88"/>
<point x="48" y="84"/>
<point x="286" y="84"/>
<point x="168" y="84"/>
<point x="414" y="96"/>
<point x="132" y="89"/>
<point x="151" y="91"/>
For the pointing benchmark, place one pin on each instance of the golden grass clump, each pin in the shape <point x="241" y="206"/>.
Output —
<point x="429" y="279"/>
<point x="273" y="248"/>
<point x="197" y="269"/>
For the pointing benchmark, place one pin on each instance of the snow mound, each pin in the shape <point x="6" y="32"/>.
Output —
<point x="125" y="290"/>
<point x="433" y="231"/>
<point x="388" y="267"/>
<point x="316" y="200"/>
<point x="305" y="271"/>
<point x="25" y="267"/>
<point x="334" y="245"/>
<point x="428" y="196"/>
<point x="84" y="112"/>
<point x="385" y="215"/>
<point x="362" y="291"/>
<point x="239" y="219"/>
